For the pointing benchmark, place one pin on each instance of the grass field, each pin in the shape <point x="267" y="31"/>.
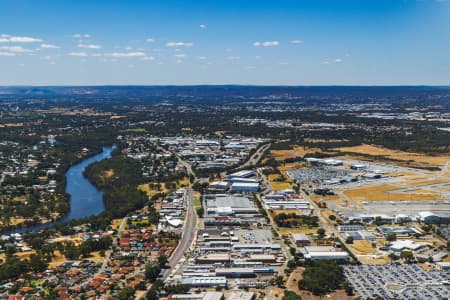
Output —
<point x="304" y="230"/>
<point x="292" y="166"/>
<point x="381" y="193"/>
<point x="278" y="185"/>
<point x="286" y="211"/>
<point x="296" y="151"/>
<point x="429" y="160"/>
<point x="362" y="247"/>
<point x="182" y="183"/>
<point x="197" y="200"/>
<point x="150" y="192"/>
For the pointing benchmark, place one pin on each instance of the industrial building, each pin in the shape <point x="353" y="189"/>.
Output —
<point x="227" y="205"/>
<point x="323" y="252"/>
<point x="205" y="281"/>
<point x="431" y="217"/>
<point x="301" y="240"/>
<point x="249" y="187"/>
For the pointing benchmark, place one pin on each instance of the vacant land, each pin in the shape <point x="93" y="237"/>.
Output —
<point x="276" y="184"/>
<point x="386" y="193"/>
<point x="363" y="247"/>
<point x="417" y="158"/>
<point x="151" y="191"/>
<point x="292" y="285"/>
<point x="296" y="151"/>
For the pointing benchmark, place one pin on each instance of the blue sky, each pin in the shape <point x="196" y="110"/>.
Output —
<point x="314" y="42"/>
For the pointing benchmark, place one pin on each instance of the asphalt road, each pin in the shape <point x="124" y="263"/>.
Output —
<point x="253" y="160"/>
<point x="187" y="236"/>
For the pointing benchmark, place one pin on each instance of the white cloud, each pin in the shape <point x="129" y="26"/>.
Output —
<point x="47" y="57"/>
<point x="7" y="54"/>
<point x="127" y="54"/>
<point x="16" y="49"/>
<point x="79" y="54"/>
<point x="49" y="46"/>
<point x="202" y="26"/>
<point x="148" y="58"/>
<point x="328" y="61"/>
<point x="96" y="55"/>
<point x="202" y="57"/>
<point x="79" y="35"/>
<point x="5" y="38"/>
<point x="179" y="61"/>
<point x="150" y="40"/>
<point x="296" y="42"/>
<point x="266" y="44"/>
<point x="89" y="46"/>
<point x="179" y="44"/>
<point x="180" y="55"/>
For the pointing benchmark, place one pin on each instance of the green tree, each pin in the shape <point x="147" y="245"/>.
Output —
<point x="321" y="232"/>
<point x="37" y="263"/>
<point x="152" y="271"/>
<point x="290" y="295"/>
<point x="390" y="237"/>
<point x="162" y="261"/>
<point x="408" y="256"/>
<point x="127" y="293"/>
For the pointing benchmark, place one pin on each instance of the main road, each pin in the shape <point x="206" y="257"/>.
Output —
<point x="187" y="236"/>
<point x="189" y="232"/>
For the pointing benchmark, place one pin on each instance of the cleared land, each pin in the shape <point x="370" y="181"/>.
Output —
<point x="426" y="160"/>
<point x="387" y="193"/>
<point x="296" y="151"/>
<point x="279" y="185"/>
<point x="151" y="191"/>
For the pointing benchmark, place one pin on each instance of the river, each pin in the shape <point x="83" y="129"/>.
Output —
<point x="85" y="198"/>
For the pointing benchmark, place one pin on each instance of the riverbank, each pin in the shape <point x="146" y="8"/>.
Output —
<point x="85" y="199"/>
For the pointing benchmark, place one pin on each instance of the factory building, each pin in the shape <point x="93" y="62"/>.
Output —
<point x="249" y="187"/>
<point x="300" y="240"/>
<point x="235" y="272"/>
<point x="205" y="281"/>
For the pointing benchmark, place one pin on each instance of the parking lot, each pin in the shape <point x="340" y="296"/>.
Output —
<point x="398" y="282"/>
<point x="445" y="231"/>
<point x="316" y="174"/>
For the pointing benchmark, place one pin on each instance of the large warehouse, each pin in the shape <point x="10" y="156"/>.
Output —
<point x="224" y="205"/>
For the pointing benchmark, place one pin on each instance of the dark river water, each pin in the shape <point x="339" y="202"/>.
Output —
<point x="85" y="198"/>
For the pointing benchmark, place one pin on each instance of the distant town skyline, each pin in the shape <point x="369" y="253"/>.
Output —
<point x="349" y="42"/>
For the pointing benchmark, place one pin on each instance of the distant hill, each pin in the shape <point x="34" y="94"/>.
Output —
<point x="220" y="90"/>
